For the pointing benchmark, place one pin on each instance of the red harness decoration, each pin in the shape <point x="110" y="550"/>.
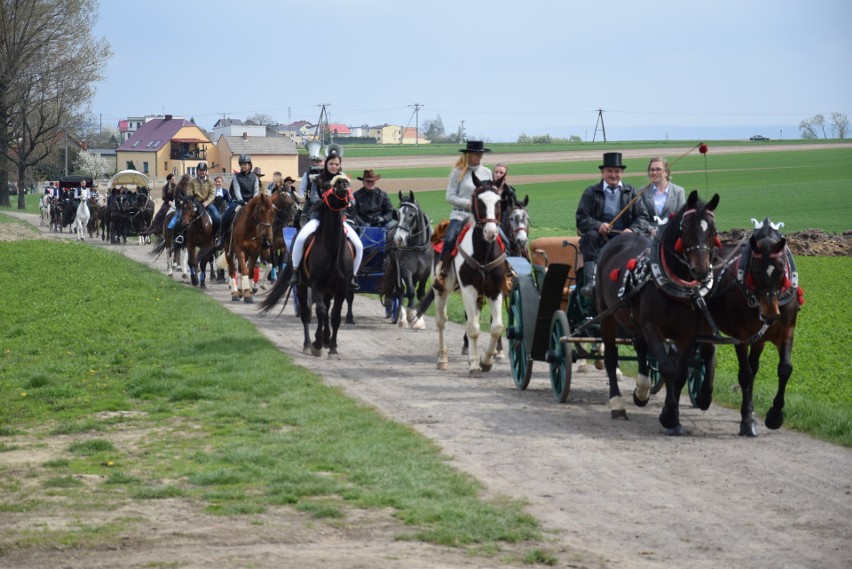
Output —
<point x="464" y="230"/>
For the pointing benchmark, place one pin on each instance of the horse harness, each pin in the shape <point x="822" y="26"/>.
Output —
<point x="421" y="231"/>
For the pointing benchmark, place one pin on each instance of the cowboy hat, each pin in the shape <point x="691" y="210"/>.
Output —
<point x="257" y="172"/>
<point x="474" y="146"/>
<point x="370" y="175"/>
<point x="288" y="179"/>
<point x="612" y="160"/>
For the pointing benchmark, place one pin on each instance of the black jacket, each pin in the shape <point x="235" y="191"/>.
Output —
<point x="372" y="208"/>
<point x="590" y="211"/>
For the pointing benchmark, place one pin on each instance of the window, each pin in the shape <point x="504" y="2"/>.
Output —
<point x="137" y="143"/>
<point x="129" y="165"/>
<point x="144" y="167"/>
<point x="165" y="166"/>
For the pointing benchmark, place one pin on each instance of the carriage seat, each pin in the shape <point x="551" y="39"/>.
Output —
<point x="562" y="250"/>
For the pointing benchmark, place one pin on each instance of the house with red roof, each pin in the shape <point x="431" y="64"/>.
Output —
<point x="162" y="146"/>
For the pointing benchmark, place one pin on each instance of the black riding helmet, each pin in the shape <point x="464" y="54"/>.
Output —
<point x="202" y="166"/>
<point x="245" y="159"/>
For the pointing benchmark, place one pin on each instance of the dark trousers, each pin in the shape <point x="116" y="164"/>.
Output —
<point x="590" y="243"/>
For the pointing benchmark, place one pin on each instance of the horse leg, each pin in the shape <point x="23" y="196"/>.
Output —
<point x="336" y="313"/>
<point x="705" y="394"/>
<point x="496" y="307"/>
<point x="642" y="391"/>
<point x="674" y="371"/>
<point x="248" y="287"/>
<point x="322" y="319"/>
<point x="745" y="377"/>
<point x="350" y="298"/>
<point x="440" y="323"/>
<point x="305" y="316"/>
<point x="471" y="301"/>
<point x="609" y="330"/>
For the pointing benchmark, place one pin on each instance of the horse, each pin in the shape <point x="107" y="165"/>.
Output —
<point x="142" y="214"/>
<point x="95" y="218"/>
<point x="326" y="271"/>
<point x="651" y="290"/>
<point x="515" y="224"/>
<point x="44" y="210"/>
<point x="757" y="300"/>
<point x="81" y="218"/>
<point x="176" y="259"/>
<point x="251" y="232"/>
<point x="119" y="218"/>
<point x="408" y="262"/>
<point x="478" y="270"/>
<point x="286" y="210"/>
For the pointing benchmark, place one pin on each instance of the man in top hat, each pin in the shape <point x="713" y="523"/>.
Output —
<point x="373" y="207"/>
<point x="605" y="210"/>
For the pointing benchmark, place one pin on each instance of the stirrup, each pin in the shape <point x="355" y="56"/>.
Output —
<point x="179" y="240"/>
<point x="353" y="284"/>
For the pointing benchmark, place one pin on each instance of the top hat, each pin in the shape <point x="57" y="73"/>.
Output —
<point x="612" y="160"/>
<point x="369" y="175"/>
<point x="257" y="172"/>
<point x="474" y="146"/>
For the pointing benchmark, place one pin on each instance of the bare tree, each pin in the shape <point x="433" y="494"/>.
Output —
<point x="840" y="125"/>
<point x="818" y="121"/>
<point x="808" y="129"/>
<point x="49" y="63"/>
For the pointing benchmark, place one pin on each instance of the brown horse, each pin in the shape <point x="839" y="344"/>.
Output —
<point x="652" y="289"/>
<point x="757" y="300"/>
<point x="251" y="233"/>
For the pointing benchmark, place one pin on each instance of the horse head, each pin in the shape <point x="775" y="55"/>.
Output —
<point x="336" y="193"/>
<point x="285" y="207"/>
<point x="516" y="223"/>
<point x="691" y="238"/>
<point x="262" y="215"/>
<point x="485" y="207"/>
<point x="767" y="276"/>
<point x="409" y="224"/>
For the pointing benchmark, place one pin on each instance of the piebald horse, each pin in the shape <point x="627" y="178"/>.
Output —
<point x="478" y="270"/>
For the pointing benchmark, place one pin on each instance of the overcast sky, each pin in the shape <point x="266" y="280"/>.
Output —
<point x="682" y="69"/>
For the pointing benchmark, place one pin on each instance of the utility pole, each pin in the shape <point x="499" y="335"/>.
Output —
<point x="603" y="128"/>
<point x="319" y="133"/>
<point x="416" y="107"/>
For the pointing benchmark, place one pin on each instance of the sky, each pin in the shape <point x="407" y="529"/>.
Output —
<point x="656" y="70"/>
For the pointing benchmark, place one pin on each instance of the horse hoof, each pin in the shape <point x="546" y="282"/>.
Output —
<point x="599" y="364"/>
<point x="248" y="299"/>
<point x="748" y="429"/>
<point x="583" y="368"/>
<point x="485" y="367"/>
<point x="350" y="321"/>
<point x="638" y="402"/>
<point x="235" y="298"/>
<point x="316" y="352"/>
<point x="499" y="356"/>
<point x="464" y="351"/>
<point x="419" y="324"/>
<point x="774" y="419"/>
<point x="618" y="414"/>
<point x="677" y="431"/>
<point x="443" y="365"/>
<point x="202" y="285"/>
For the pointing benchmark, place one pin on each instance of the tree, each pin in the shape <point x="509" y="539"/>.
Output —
<point x="92" y="164"/>
<point x="840" y="125"/>
<point x="434" y="130"/>
<point x="808" y="129"/>
<point x="48" y="67"/>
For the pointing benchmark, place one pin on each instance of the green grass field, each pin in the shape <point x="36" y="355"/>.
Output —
<point x="250" y="435"/>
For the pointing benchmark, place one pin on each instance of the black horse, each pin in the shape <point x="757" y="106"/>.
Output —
<point x="757" y="300"/>
<point x="408" y="262"/>
<point x="326" y="272"/>
<point x="652" y="290"/>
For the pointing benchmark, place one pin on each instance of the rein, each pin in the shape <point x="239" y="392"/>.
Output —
<point x="420" y="231"/>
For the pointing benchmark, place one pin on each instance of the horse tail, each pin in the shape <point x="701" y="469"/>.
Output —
<point x="158" y="249"/>
<point x="390" y="277"/>
<point x="424" y="305"/>
<point x="278" y="290"/>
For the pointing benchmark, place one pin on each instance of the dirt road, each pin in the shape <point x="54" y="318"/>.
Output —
<point x="608" y="493"/>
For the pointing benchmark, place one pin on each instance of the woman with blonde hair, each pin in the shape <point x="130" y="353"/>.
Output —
<point x="661" y="197"/>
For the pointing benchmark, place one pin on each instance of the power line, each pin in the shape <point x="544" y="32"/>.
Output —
<point x="417" y="107"/>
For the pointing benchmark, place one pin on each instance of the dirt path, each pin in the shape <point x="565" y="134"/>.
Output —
<point x="608" y="493"/>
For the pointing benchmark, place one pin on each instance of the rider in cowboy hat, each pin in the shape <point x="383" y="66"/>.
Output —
<point x="373" y="207"/>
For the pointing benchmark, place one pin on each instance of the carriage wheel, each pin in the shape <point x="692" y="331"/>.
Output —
<point x="559" y="356"/>
<point x="695" y="377"/>
<point x="519" y="359"/>
<point x="395" y="309"/>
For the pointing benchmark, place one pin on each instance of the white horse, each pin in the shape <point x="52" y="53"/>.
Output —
<point x="44" y="209"/>
<point x="83" y="215"/>
<point x="478" y="270"/>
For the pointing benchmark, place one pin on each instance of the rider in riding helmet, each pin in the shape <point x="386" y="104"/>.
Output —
<point x="201" y="188"/>
<point x="319" y="183"/>
<point x="244" y="186"/>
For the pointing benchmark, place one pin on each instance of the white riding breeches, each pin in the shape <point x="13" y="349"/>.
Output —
<point x="310" y="227"/>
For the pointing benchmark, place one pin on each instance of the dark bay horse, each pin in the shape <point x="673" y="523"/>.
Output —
<point x="195" y="223"/>
<point x="478" y="270"/>
<point x="326" y="271"/>
<point x="756" y="300"/>
<point x="408" y="262"/>
<point x="651" y="290"/>
<point x="286" y="210"/>
<point x="250" y="234"/>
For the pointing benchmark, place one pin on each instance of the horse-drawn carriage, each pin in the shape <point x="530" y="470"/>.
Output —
<point x="64" y="205"/>
<point x="128" y="211"/>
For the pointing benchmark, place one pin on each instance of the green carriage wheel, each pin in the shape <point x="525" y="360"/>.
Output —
<point x="559" y="356"/>
<point x="519" y="359"/>
<point x="695" y="378"/>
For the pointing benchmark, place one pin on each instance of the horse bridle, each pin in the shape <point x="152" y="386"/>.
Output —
<point x="482" y="221"/>
<point x="417" y="221"/>
<point x="518" y="229"/>
<point x="260" y="225"/>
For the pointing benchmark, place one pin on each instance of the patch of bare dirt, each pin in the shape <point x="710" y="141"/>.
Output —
<point x="808" y="243"/>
